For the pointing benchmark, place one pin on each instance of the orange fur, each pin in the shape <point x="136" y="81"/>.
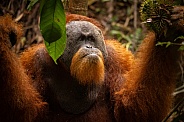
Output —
<point x="132" y="88"/>
<point x="27" y="58"/>
<point x="118" y="63"/>
<point x="75" y="17"/>
<point x="88" y="69"/>
<point x="7" y="25"/>
<point x="19" y="100"/>
<point x="146" y="94"/>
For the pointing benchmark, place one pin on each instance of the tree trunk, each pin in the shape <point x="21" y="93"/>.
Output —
<point x="76" y="6"/>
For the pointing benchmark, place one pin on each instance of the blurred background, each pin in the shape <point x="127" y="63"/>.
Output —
<point x="120" y="19"/>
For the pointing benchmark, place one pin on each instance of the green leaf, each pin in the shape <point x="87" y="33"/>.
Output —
<point x="160" y="43"/>
<point x="31" y="4"/>
<point x="52" y="32"/>
<point x="181" y="48"/>
<point x="168" y="44"/>
<point x="53" y="27"/>
<point x="164" y="43"/>
<point x="180" y="37"/>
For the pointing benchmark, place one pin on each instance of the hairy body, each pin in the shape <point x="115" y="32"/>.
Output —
<point x="98" y="80"/>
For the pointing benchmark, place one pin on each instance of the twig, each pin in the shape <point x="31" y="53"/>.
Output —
<point x="135" y="14"/>
<point x="173" y="110"/>
<point x="19" y="17"/>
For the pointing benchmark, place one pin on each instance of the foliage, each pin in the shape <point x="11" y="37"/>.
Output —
<point x="31" y="4"/>
<point x="130" y="41"/>
<point x="173" y="43"/>
<point x="52" y="25"/>
<point x="156" y="14"/>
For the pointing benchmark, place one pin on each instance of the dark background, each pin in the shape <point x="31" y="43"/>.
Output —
<point x="121" y="21"/>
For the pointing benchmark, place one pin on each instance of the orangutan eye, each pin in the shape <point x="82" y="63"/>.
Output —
<point x="91" y="38"/>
